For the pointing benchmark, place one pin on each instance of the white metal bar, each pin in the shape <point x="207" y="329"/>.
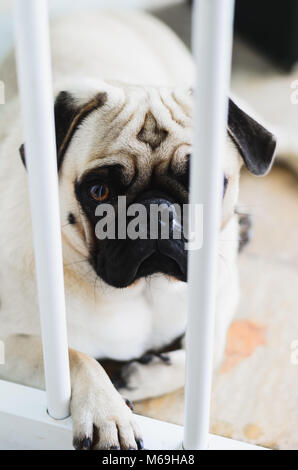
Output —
<point x="212" y="44"/>
<point x="35" y="85"/>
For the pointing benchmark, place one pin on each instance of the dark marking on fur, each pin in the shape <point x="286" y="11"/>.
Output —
<point x="151" y="133"/>
<point x="173" y="346"/>
<point x="147" y="358"/>
<point x="245" y="229"/>
<point x="115" y="369"/>
<point x="71" y="219"/>
<point x="68" y="118"/>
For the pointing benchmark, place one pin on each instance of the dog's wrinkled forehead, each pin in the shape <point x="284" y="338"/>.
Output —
<point x="135" y="126"/>
<point x="145" y="129"/>
<point x="151" y="132"/>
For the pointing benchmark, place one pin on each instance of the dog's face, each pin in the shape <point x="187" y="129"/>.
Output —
<point x="118" y="140"/>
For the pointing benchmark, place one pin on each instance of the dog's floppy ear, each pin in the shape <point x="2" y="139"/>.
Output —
<point x="255" y="143"/>
<point x="68" y="116"/>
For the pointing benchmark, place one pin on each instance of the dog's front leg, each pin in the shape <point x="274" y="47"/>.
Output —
<point x="152" y="376"/>
<point x="101" y="418"/>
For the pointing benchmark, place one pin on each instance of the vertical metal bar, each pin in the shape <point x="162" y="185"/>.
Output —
<point x="35" y="86"/>
<point x="212" y="44"/>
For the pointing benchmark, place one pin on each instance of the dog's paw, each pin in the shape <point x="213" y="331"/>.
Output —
<point x="102" y="419"/>
<point x="104" y="423"/>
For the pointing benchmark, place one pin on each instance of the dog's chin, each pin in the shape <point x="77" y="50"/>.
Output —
<point x="154" y="264"/>
<point x="160" y="264"/>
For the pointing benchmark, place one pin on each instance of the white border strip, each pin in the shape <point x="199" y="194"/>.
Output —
<point x="212" y="44"/>
<point x="35" y="85"/>
<point x="24" y="424"/>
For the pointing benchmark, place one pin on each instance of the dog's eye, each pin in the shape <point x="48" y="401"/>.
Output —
<point x="99" y="192"/>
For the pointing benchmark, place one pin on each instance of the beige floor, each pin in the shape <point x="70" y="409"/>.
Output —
<point x="255" y="395"/>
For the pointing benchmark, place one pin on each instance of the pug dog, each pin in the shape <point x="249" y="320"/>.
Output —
<point x="123" y="116"/>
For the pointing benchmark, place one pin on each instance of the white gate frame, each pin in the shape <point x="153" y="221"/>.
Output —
<point x="24" y="421"/>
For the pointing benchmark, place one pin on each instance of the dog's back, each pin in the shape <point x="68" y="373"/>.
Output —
<point x="132" y="47"/>
<point x="128" y="46"/>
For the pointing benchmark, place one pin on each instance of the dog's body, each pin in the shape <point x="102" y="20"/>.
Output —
<point x="140" y="119"/>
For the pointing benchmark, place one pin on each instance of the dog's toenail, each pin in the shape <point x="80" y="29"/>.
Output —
<point x="129" y="404"/>
<point x="114" y="448"/>
<point x="86" y="443"/>
<point x="140" y="444"/>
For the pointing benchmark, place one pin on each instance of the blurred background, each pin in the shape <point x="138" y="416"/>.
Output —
<point x="255" y="393"/>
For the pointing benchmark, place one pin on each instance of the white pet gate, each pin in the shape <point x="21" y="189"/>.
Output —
<point x="24" y="421"/>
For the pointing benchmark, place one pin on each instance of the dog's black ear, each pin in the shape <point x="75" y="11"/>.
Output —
<point x="65" y="112"/>
<point x="255" y="143"/>
<point x="68" y="116"/>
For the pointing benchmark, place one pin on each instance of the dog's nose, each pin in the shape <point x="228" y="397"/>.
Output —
<point x="163" y="219"/>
